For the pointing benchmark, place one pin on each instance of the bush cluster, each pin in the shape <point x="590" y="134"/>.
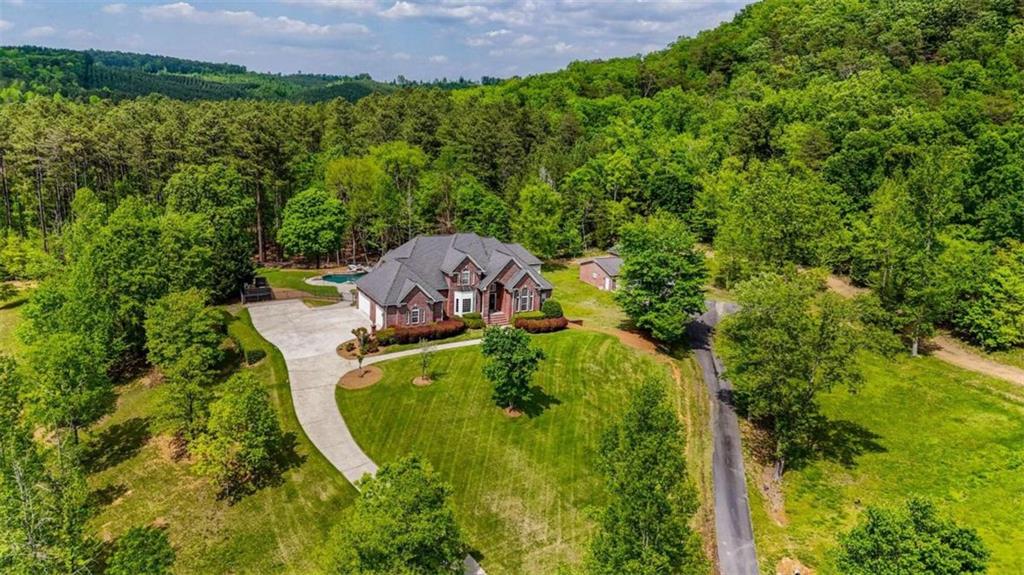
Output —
<point x="542" y="325"/>
<point x="528" y="315"/>
<point x="436" y="330"/>
<point x="473" y="320"/>
<point x="253" y="356"/>
<point x="386" y="336"/>
<point x="551" y="308"/>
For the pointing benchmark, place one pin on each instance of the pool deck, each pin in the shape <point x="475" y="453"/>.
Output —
<point x="343" y="289"/>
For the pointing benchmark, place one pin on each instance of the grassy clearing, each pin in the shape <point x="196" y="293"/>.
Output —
<point x="10" y="318"/>
<point x="295" y="279"/>
<point x="581" y="300"/>
<point x="276" y="530"/>
<point x="919" y="427"/>
<point x="523" y="487"/>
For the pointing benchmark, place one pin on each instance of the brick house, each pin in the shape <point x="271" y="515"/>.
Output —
<point x="430" y="278"/>
<point x="602" y="272"/>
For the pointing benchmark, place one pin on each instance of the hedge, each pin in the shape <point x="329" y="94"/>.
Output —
<point x="542" y="325"/>
<point x="386" y="336"/>
<point x="437" y="330"/>
<point x="528" y="315"/>
<point x="551" y="308"/>
<point x="473" y="320"/>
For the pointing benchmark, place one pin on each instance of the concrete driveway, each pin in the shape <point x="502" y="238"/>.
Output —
<point x="308" y="338"/>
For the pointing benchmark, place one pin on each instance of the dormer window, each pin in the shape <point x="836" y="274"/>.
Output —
<point x="464" y="278"/>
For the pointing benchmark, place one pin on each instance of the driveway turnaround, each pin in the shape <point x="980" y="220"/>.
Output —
<point x="735" y="533"/>
<point x="308" y="339"/>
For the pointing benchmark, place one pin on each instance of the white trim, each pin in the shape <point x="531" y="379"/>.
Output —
<point x="465" y="277"/>
<point x="462" y="296"/>
<point x="415" y="315"/>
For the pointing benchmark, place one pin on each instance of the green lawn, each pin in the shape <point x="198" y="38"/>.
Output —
<point x="295" y="279"/>
<point x="276" y="530"/>
<point x="10" y="317"/>
<point x="523" y="487"/>
<point x="580" y="300"/>
<point x="927" y="429"/>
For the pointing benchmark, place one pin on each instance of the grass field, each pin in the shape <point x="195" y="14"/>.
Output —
<point x="279" y="529"/>
<point x="295" y="279"/>
<point x="581" y="300"/>
<point x="10" y="317"/>
<point x="523" y="487"/>
<point x="925" y="429"/>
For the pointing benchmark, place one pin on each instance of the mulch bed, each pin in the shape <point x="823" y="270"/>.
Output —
<point x="345" y="354"/>
<point x="512" y="412"/>
<point x="353" y="380"/>
<point x="420" y="381"/>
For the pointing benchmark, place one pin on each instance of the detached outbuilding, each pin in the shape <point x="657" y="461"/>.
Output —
<point x="601" y="272"/>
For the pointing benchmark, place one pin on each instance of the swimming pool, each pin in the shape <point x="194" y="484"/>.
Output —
<point x="342" y="278"/>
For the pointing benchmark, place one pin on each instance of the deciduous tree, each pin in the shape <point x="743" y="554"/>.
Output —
<point x="313" y="225"/>
<point x="511" y="362"/>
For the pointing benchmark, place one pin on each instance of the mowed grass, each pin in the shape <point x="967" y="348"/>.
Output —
<point x="523" y="488"/>
<point x="925" y="429"/>
<point x="10" y="318"/>
<point x="580" y="300"/>
<point x="296" y="280"/>
<point x="279" y="529"/>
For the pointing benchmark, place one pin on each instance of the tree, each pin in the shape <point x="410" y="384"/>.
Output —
<point x="479" y="211"/>
<point x="511" y="364"/>
<point x="402" y="163"/>
<point x="180" y="324"/>
<point x="70" y="385"/>
<point x="662" y="276"/>
<point x="913" y="539"/>
<point x="540" y="223"/>
<point x="141" y="551"/>
<point x="216" y="192"/>
<point x="790" y="342"/>
<point x="644" y="529"/>
<point x="243" y="444"/>
<point x="313" y="224"/>
<point x="994" y="314"/>
<point x="403" y="522"/>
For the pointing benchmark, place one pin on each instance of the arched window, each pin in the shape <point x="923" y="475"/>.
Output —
<point x="414" y="315"/>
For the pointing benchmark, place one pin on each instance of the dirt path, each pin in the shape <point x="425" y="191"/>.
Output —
<point x="944" y="347"/>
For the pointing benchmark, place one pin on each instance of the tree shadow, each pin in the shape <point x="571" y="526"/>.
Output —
<point x="842" y="441"/>
<point x="538" y="402"/>
<point x="553" y="266"/>
<point x="14" y="303"/>
<point x="106" y="495"/>
<point x="116" y="444"/>
<point x="287" y="457"/>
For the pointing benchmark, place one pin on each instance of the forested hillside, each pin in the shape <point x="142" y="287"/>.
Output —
<point x="881" y="139"/>
<point x="120" y="75"/>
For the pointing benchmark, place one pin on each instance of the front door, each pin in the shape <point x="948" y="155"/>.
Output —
<point x="494" y="298"/>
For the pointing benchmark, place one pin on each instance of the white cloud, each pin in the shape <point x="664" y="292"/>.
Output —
<point x="561" y="48"/>
<point x="438" y="59"/>
<point x="5" y="25"/>
<point x="40" y="32"/>
<point x="251" y="23"/>
<point x="401" y="56"/>
<point x="114" y="8"/>
<point x="466" y="11"/>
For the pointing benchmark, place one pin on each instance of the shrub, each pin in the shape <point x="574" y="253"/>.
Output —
<point x="551" y="308"/>
<point x="253" y="356"/>
<point x="542" y="325"/>
<point x="141" y="551"/>
<point x="436" y="330"/>
<point x="473" y="320"/>
<point x="528" y="315"/>
<point x="372" y="346"/>
<point x="386" y="336"/>
<point x="350" y="346"/>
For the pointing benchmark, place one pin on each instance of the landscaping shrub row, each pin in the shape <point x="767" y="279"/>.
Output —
<point x="542" y="325"/>
<point x="436" y="330"/>
<point x="473" y="320"/>
<point x="528" y="315"/>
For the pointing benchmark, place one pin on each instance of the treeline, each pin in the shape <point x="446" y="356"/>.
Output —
<point x="878" y="139"/>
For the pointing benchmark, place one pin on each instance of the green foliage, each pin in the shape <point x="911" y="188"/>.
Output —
<point x="551" y="308"/>
<point x="537" y="314"/>
<point x="403" y="522"/>
<point x="645" y="528"/>
<point x="511" y="364"/>
<point x="22" y="259"/>
<point x="914" y="539"/>
<point x="141" y="551"/>
<point x="994" y="315"/>
<point x="788" y="343"/>
<point x="662" y="278"/>
<point x="480" y="211"/>
<point x="540" y="224"/>
<point x="180" y="324"/>
<point x="243" y="446"/>
<point x="313" y="224"/>
<point x="474" y="320"/>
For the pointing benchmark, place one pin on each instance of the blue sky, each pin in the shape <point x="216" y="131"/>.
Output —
<point x="417" y="38"/>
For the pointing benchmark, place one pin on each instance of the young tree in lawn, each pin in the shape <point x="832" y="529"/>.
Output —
<point x="789" y="342"/>
<point x="426" y="355"/>
<point x="242" y="445"/>
<point x="914" y="539"/>
<point x="403" y="522"/>
<point x="511" y="362"/>
<point x="645" y="528"/>
<point x="70" y="388"/>
<point x="662" y="276"/>
<point x="141" y="551"/>
<point x="313" y="224"/>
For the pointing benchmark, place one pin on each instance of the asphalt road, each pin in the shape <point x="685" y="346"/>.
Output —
<point x="736" y="552"/>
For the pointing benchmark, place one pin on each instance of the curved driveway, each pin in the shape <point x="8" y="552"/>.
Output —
<point x="307" y="338"/>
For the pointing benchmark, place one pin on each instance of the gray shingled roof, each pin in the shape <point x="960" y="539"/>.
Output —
<point x="610" y="264"/>
<point x="424" y="260"/>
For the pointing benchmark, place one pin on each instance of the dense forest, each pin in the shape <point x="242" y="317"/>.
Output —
<point x="119" y="75"/>
<point x="880" y="139"/>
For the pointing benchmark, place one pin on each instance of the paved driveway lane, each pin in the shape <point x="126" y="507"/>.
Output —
<point x="307" y="338"/>
<point x="736" y="552"/>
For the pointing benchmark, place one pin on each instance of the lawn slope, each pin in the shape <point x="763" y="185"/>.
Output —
<point x="523" y="487"/>
<point x="918" y="428"/>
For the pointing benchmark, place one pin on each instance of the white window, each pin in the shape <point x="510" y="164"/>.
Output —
<point x="463" y="302"/>
<point x="593" y="275"/>
<point x="464" y="278"/>
<point x="414" y="315"/>
<point x="515" y="300"/>
<point x="525" y="299"/>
